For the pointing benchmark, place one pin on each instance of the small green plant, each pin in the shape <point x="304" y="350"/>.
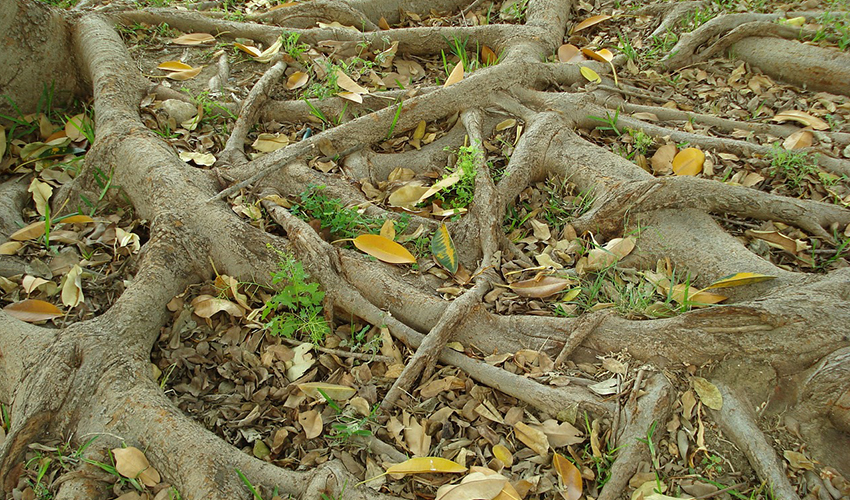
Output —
<point x="341" y="221"/>
<point x="515" y="10"/>
<point x="348" y="425"/>
<point x="291" y="45"/>
<point x="460" y="194"/>
<point x="395" y="119"/>
<point x="297" y="307"/>
<point x="793" y="167"/>
<point x="626" y="47"/>
<point x="610" y="122"/>
<point x="248" y="484"/>
<point x="836" y="25"/>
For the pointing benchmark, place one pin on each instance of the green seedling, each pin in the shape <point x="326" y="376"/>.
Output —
<point x="297" y="307"/>
<point x="460" y="194"/>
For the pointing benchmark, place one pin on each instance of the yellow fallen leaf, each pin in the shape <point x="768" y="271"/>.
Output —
<point x="267" y="143"/>
<point x="590" y="75"/>
<point x="383" y="24"/>
<point x="174" y="66"/>
<point x="420" y="465"/>
<point x="443" y="249"/>
<point x="590" y="21"/>
<point x="503" y="454"/>
<point x="456" y="75"/>
<point x="75" y="126"/>
<point x="601" y="55"/>
<point x="77" y="219"/>
<point x="383" y="249"/>
<point x="33" y="310"/>
<point x="488" y="57"/>
<point x="689" y="161"/>
<point x="739" y="279"/>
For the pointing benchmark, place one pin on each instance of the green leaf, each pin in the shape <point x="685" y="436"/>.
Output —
<point x="443" y="249"/>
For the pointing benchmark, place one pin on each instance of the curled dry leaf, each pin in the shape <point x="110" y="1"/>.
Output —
<point x="346" y="83"/>
<point x="601" y="55"/>
<point x="206" y="306"/>
<point x="267" y="143"/>
<point x="662" y="160"/>
<point x="72" y="287"/>
<point x="488" y="57"/>
<point x="383" y="249"/>
<point x="475" y="485"/>
<point x="801" y="117"/>
<point x="590" y="21"/>
<point x="569" y="53"/>
<point x="351" y="96"/>
<point x="130" y="462"/>
<point x="33" y="310"/>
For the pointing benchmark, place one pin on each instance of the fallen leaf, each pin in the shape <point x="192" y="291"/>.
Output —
<point x="570" y="477"/>
<point x="503" y="454"/>
<point x="41" y="192"/>
<point x="388" y="229"/>
<point x="560" y="434"/>
<point x="474" y="486"/>
<point x="383" y="249"/>
<point x="798" y="140"/>
<point x="77" y="219"/>
<point x="174" y="66"/>
<point x="533" y="438"/>
<point x="777" y="240"/>
<point x="590" y="21"/>
<point x="130" y="462"/>
<point x="408" y="195"/>
<point x="28" y="232"/>
<point x="739" y="279"/>
<point x="601" y="55"/>
<point x="351" y="96"/>
<point x="569" y="53"/>
<point x="33" y="310"/>
<point x="689" y="161"/>
<point x="201" y="159"/>
<point x="488" y="57"/>
<point x="75" y="126"/>
<point x="266" y="143"/>
<point x="541" y="288"/>
<point x="72" y="287"/>
<point x="798" y="460"/>
<point x="590" y="75"/>
<point x="443" y="249"/>
<point x="334" y="391"/>
<point x="383" y="24"/>
<point x="206" y="306"/>
<point x="268" y="54"/>
<point x="800" y="117"/>
<point x="708" y="393"/>
<point x="193" y="39"/>
<point x="662" y="160"/>
<point x="2" y="141"/>
<point x="311" y="422"/>
<point x="346" y="83"/>
<point x="297" y="80"/>
<point x="10" y="247"/>
<point x="420" y="465"/>
<point x="456" y="75"/>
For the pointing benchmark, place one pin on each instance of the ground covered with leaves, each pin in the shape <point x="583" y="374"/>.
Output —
<point x="275" y="368"/>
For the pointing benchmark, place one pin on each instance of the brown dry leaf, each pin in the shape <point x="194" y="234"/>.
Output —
<point x="650" y="117"/>
<point x="476" y="485"/>
<point x="708" y="393"/>
<point x="662" y="160"/>
<point x="801" y="117"/>
<point x="41" y="192"/>
<point x="590" y="21"/>
<point x="388" y="229"/>
<point x="383" y="24"/>
<point x="351" y="96"/>
<point x="778" y="240"/>
<point x="798" y="460"/>
<point x="72" y="287"/>
<point x="418" y="442"/>
<point x="739" y="279"/>
<point x="266" y="143"/>
<point x="193" y="39"/>
<point x="311" y="422"/>
<point x="2" y="141"/>
<point x="689" y="161"/>
<point x="75" y="126"/>
<point x="456" y="75"/>
<point x="174" y="66"/>
<point x="184" y="75"/>
<point x="570" y="477"/>
<point x="206" y="306"/>
<point x="77" y="219"/>
<point x="10" y="247"/>
<point x="334" y="391"/>
<point x="683" y="294"/>
<point x="569" y="53"/>
<point x="383" y="249"/>
<point x="408" y="195"/>
<point x="346" y="83"/>
<point x="488" y="57"/>
<point x="540" y="288"/>
<point x="533" y="438"/>
<point x="297" y="80"/>
<point x="601" y="55"/>
<point x="33" y="310"/>
<point x="28" y="232"/>
<point x="560" y="434"/>
<point x="130" y="462"/>
<point x="798" y="140"/>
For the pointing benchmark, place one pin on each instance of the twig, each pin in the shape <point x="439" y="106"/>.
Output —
<point x="344" y="354"/>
